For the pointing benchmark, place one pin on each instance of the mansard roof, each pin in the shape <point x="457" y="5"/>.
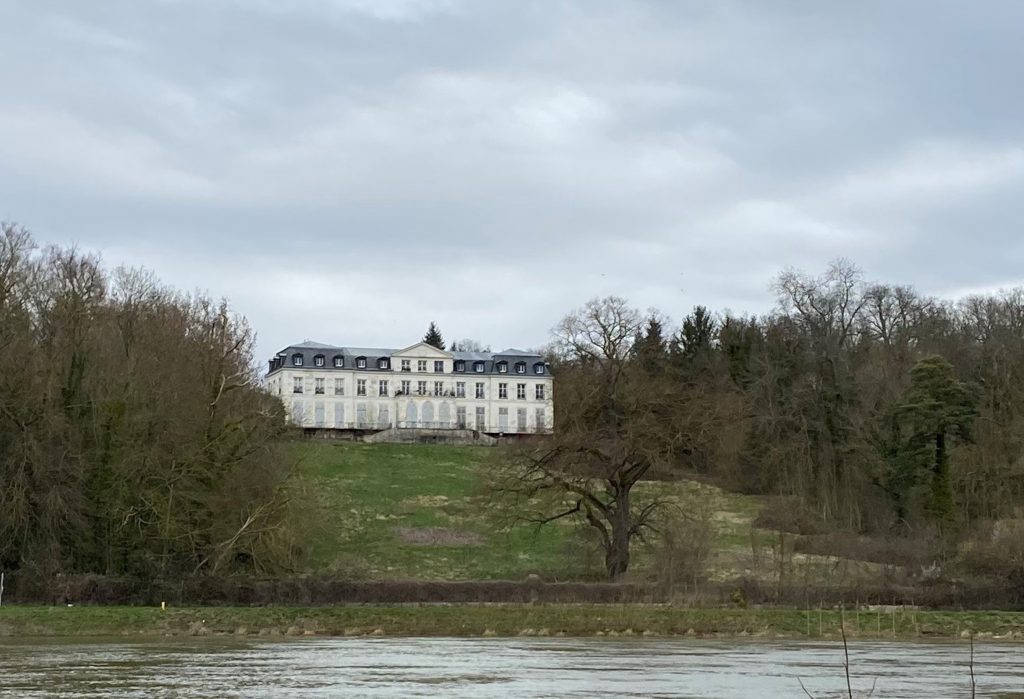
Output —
<point x="308" y="350"/>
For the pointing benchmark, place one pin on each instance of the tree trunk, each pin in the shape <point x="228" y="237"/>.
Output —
<point x="616" y="559"/>
<point x="940" y="454"/>
<point x="942" y="505"/>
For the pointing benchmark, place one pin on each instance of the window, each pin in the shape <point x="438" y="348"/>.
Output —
<point x="460" y="365"/>
<point x="539" y="391"/>
<point x="318" y="360"/>
<point x="541" y="418"/>
<point x="297" y="384"/>
<point x="520" y="367"/>
<point x="521" y="391"/>
<point x="339" y="387"/>
<point x="460" y="417"/>
<point x="421" y="365"/>
<point x="502" y="419"/>
<point x="318" y="386"/>
<point x="382" y="387"/>
<point x="502" y="367"/>
<point x="360" y="387"/>
<point x="406" y="365"/>
<point x="460" y="389"/>
<point x="478" y="367"/>
<point x="360" y="362"/>
<point x="538" y="368"/>
<point x="439" y="388"/>
<point x="480" y="390"/>
<point x="421" y="388"/>
<point x="406" y="388"/>
<point x="296" y="359"/>
<point x="521" y="420"/>
<point x="438" y="366"/>
<point x="383" y="363"/>
<point x="339" y="361"/>
<point x="502" y="390"/>
<point x="481" y="420"/>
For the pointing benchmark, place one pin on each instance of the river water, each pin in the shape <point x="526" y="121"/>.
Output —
<point x="483" y="668"/>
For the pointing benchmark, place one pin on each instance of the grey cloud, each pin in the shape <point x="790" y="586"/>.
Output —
<point x="348" y="170"/>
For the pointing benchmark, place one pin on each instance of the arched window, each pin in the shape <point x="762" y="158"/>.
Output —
<point x="297" y="359"/>
<point x="339" y="361"/>
<point x="502" y="367"/>
<point x="460" y="365"/>
<point x="360" y="362"/>
<point x="478" y="367"/>
<point x="319" y="360"/>
<point x="520" y="367"/>
<point x="538" y="368"/>
<point x="383" y="363"/>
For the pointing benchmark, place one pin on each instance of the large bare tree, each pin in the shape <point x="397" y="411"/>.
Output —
<point x="616" y="421"/>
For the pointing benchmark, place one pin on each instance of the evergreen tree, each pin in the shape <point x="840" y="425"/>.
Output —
<point x="433" y="336"/>
<point x="698" y="332"/>
<point x="650" y="347"/>
<point x="936" y="407"/>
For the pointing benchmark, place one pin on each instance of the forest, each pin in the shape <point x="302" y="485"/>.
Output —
<point x="883" y="424"/>
<point x="135" y="438"/>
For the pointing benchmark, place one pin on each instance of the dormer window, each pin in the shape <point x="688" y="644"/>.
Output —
<point x="538" y="368"/>
<point x="360" y="362"/>
<point x="460" y="366"/>
<point x="297" y="359"/>
<point x="339" y="361"/>
<point x="383" y="363"/>
<point x="478" y="367"/>
<point x="520" y="367"/>
<point x="502" y="367"/>
<point x="319" y="360"/>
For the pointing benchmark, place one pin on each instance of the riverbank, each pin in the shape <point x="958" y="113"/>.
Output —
<point x="503" y="620"/>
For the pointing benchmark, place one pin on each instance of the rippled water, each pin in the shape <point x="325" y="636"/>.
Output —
<point x="349" y="667"/>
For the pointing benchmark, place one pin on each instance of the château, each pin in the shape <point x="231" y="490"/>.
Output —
<point x="420" y="387"/>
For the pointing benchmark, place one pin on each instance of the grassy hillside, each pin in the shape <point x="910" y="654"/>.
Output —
<point x="422" y="512"/>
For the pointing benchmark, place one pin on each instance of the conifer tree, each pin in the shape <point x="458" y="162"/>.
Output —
<point x="936" y="407"/>
<point x="433" y="336"/>
<point x="650" y="347"/>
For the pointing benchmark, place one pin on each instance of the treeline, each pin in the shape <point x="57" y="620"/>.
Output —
<point x="865" y="408"/>
<point x="874" y="407"/>
<point x="134" y="437"/>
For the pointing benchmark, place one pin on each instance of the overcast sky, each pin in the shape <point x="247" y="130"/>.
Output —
<point x="348" y="170"/>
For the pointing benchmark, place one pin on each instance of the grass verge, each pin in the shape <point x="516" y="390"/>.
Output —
<point x="503" y="620"/>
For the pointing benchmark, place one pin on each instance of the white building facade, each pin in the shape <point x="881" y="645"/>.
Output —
<point x="352" y="388"/>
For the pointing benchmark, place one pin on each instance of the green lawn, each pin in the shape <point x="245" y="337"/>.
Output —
<point x="423" y="512"/>
<point x="371" y="495"/>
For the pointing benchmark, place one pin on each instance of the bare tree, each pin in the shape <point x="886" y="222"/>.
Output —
<point x="134" y="435"/>
<point x="469" y="345"/>
<point x="616" y="423"/>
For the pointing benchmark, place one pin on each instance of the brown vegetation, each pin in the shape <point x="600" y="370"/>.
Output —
<point x="134" y="437"/>
<point x="884" y="422"/>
